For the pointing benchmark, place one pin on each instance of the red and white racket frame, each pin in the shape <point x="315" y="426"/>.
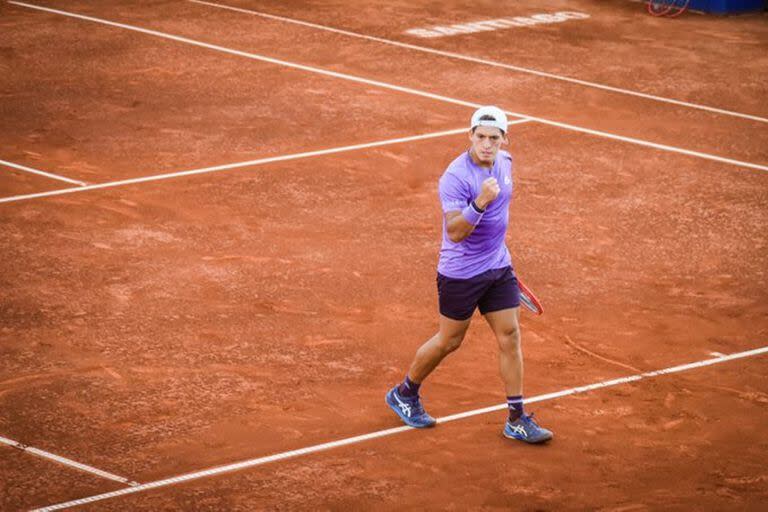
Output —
<point x="529" y="300"/>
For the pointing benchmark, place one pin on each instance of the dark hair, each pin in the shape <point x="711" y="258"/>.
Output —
<point x="486" y="117"/>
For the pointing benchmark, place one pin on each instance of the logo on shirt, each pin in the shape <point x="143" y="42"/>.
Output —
<point x="507" y="180"/>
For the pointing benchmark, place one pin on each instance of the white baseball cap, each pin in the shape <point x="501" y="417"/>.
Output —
<point x="499" y="118"/>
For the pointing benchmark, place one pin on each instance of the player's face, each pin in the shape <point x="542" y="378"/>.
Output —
<point x="486" y="142"/>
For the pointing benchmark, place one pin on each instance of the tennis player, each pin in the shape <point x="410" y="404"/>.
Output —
<point x="475" y="271"/>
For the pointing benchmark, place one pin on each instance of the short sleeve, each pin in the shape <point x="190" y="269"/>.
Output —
<point x="453" y="193"/>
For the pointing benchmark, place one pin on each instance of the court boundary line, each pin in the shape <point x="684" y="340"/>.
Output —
<point x="229" y="468"/>
<point x="488" y="62"/>
<point x="385" y="85"/>
<point x="6" y="163"/>
<point x="237" y="165"/>
<point x="308" y="154"/>
<point x="67" y="462"/>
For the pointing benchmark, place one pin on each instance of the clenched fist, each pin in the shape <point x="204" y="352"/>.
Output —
<point x="489" y="192"/>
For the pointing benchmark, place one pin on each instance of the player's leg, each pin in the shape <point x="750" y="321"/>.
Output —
<point x="501" y="307"/>
<point x="404" y="398"/>
<point x="458" y="301"/>
<point x="431" y="353"/>
<point x="505" y="325"/>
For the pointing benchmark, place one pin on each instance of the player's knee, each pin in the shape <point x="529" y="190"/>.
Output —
<point x="450" y="343"/>
<point x="509" y="339"/>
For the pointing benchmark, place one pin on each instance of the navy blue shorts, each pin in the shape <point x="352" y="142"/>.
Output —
<point x="492" y="290"/>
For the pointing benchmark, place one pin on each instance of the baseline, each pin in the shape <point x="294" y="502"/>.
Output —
<point x="391" y="431"/>
<point x="389" y="86"/>
<point x="6" y="163"/>
<point x="67" y="462"/>
<point x="487" y="62"/>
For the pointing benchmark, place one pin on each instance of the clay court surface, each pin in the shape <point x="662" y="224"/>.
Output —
<point x="158" y="328"/>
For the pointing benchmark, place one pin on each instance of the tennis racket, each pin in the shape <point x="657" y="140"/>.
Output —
<point x="528" y="299"/>
<point x="658" y="7"/>
<point x="678" y="8"/>
<point x="668" y="8"/>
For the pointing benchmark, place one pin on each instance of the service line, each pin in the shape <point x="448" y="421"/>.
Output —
<point x="30" y="170"/>
<point x="393" y="87"/>
<point x="321" y="152"/>
<point x="391" y="431"/>
<point x="487" y="62"/>
<point x="67" y="462"/>
<point x="237" y="165"/>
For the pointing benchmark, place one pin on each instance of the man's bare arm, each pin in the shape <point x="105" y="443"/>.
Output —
<point x="456" y="224"/>
<point x="457" y="227"/>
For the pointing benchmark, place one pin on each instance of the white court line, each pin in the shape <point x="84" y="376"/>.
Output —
<point x="648" y="144"/>
<point x="398" y="88"/>
<point x="41" y="173"/>
<point x="388" y="432"/>
<point x="487" y="62"/>
<point x="296" y="156"/>
<point x="249" y="163"/>
<point x="66" y="461"/>
<point x="248" y="55"/>
<point x="309" y="154"/>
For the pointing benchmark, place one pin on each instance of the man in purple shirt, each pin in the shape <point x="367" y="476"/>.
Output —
<point x="475" y="271"/>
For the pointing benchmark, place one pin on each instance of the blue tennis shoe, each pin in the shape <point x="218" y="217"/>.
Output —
<point x="525" y="429"/>
<point x="409" y="409"/>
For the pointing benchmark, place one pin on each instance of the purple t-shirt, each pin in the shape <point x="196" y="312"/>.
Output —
<point x="485" y="248"/>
